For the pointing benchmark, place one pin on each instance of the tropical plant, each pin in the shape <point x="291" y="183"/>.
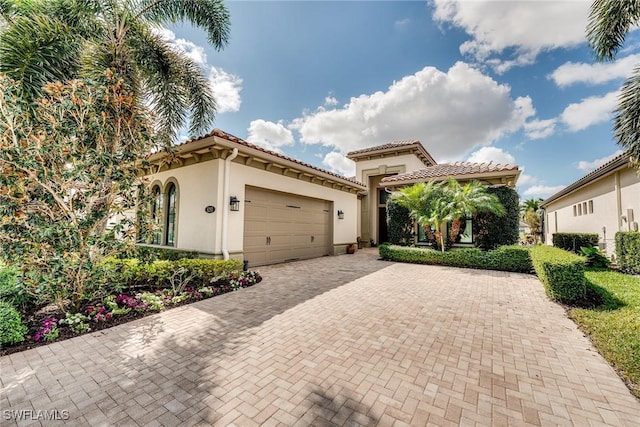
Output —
<point x="45" y="41"/>
<point x="609" y="23"/>
<point x="463" y="201"/>
<point x="434" y="204"/>
<point x="529" y="204"/>
<point x="66" y="169"/>
<point x="595" y="257"/>
<point x="532" y="218"/>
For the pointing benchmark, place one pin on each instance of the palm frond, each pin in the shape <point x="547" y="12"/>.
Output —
<point x="609" y="22"/>
<point x="209" y="15"/>
<point x="627" y="115"/>
<point x="38" y="49"/>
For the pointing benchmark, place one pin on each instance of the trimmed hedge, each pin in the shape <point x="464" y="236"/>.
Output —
<point x="505" y="258"/>
<point x="149" y="254"/>
<point x="124" y="274"/>
<point x="400" y="229"/>
<point x="628" y="251"/>
<point x="572" y="242"/>
<point x="491" y="231"/>
<point x="561" y="272"/>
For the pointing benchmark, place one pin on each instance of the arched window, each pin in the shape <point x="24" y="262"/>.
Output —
<point x="156" y="215"/>
<point x="170" y="225"/>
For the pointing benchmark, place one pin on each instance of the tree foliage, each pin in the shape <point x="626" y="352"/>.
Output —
<point x="609" y="23"/>
<point x="45" y="41"/>
<point x="399" y="223"/>
<point x="68" y="174"/>
<point x="490" y="230"/>
<point x="533" y="221"/>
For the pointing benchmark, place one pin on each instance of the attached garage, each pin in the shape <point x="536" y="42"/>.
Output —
<point x="281" y="227"/>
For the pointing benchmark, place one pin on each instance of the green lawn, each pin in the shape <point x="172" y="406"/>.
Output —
<point x="614" y="324"/>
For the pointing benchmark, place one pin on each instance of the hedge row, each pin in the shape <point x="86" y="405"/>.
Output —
<point x="572" y="242"/>
<point x="505" y="258"/>
<point x="133" y="274"/>
<point x="628" y="251"/>
<point x="153" y="253"/>
<point x="561" y="272"/>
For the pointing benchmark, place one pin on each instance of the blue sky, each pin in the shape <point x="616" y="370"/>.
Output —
<point x="502" y="81"/>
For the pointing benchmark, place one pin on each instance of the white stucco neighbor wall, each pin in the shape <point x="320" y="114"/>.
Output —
<point x="344" y="230"/>
<point x="607" y="211"/>
<point x="198" y="187"/>
<point x="410" y="161"/>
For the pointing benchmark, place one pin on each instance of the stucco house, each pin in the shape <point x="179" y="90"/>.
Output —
<point x="228" y="198"/>
<point x="604" y="201"/>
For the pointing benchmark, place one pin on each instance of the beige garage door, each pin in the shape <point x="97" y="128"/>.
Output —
<point x="282" y="227"/>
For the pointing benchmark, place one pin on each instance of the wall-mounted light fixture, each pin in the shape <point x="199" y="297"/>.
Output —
<point x="340" y="214"/>
<point x="210" y="209"/>
<point x="234" y="204"/>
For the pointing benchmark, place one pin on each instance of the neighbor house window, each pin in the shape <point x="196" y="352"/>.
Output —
<point x="584" y="207"/>
<point x="170" y="229"/>
<point x="156" y="215"/>
<point x="590" y="206"/>
<point x="575" y="210"/>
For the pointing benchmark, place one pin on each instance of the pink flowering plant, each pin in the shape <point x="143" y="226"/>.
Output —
<point x="98" y="313"/>
<point x="48" y="330"/>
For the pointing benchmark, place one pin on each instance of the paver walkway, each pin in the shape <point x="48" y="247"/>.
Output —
<point x="345" y="340"/>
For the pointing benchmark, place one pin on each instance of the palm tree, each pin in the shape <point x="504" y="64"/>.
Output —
<point x="529" y="204"/>
<point x="465" y="201"/>
<point x="434" y="204"/>
<point x="56" y="40"/>
<point x="609" y="23"/>
<point x="423" y="200"/>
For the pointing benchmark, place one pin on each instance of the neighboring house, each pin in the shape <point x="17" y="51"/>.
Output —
<point x="225" y="197"/>
<point x="604" y="201"/>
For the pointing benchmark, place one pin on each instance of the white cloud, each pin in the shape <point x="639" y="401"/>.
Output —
<point x="587" y="166"/>
<point x="492" y="154"/>
<point x="402" y="22"/>
<point x="537" y="129"/>
<point x="330" y="101"/>
<point x="226" y="90"/>
<point x="571" y="72"/>
<point x="542" y="190"/>
<point x="526" y="179"/>
<point x="589" y="111"/>
<point x="524" y="27"/>
<point x="269" y="135"/>
<point x="338" y="163"/>
<point x="449" y="112"/>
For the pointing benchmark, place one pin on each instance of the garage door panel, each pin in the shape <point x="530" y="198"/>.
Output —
<point x="289" y="221"/>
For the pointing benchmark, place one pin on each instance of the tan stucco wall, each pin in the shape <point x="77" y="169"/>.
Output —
<point x="197" y="187"/>
<point x="410" y="162"/>
<point x="606" y="209"/>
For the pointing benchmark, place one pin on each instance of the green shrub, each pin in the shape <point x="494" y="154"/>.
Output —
<point x="12" y="289"/>
<point x="491" y="231"/>
<point x="400" y="225"/>
<point x="628" y="251"/>
<point x="572" y="242"/>
<point x="595" y="257"/>
<point x="128" y="274"/>
<point x="506" y="258"/>
<point x="12" y="330"/>
<point x="148" y="254"/>
<point x="561" y="272"/>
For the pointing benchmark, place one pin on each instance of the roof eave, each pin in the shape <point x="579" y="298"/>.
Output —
<point x="495" y="174"/>
<point x="587" y="179"/>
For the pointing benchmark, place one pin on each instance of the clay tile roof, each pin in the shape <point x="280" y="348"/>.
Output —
<point x="393" y="144"/>
<point x="227" y="136"/>
<point x="444" y="170"/>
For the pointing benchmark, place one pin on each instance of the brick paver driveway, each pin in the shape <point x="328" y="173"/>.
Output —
<point x="345" y="340"/>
